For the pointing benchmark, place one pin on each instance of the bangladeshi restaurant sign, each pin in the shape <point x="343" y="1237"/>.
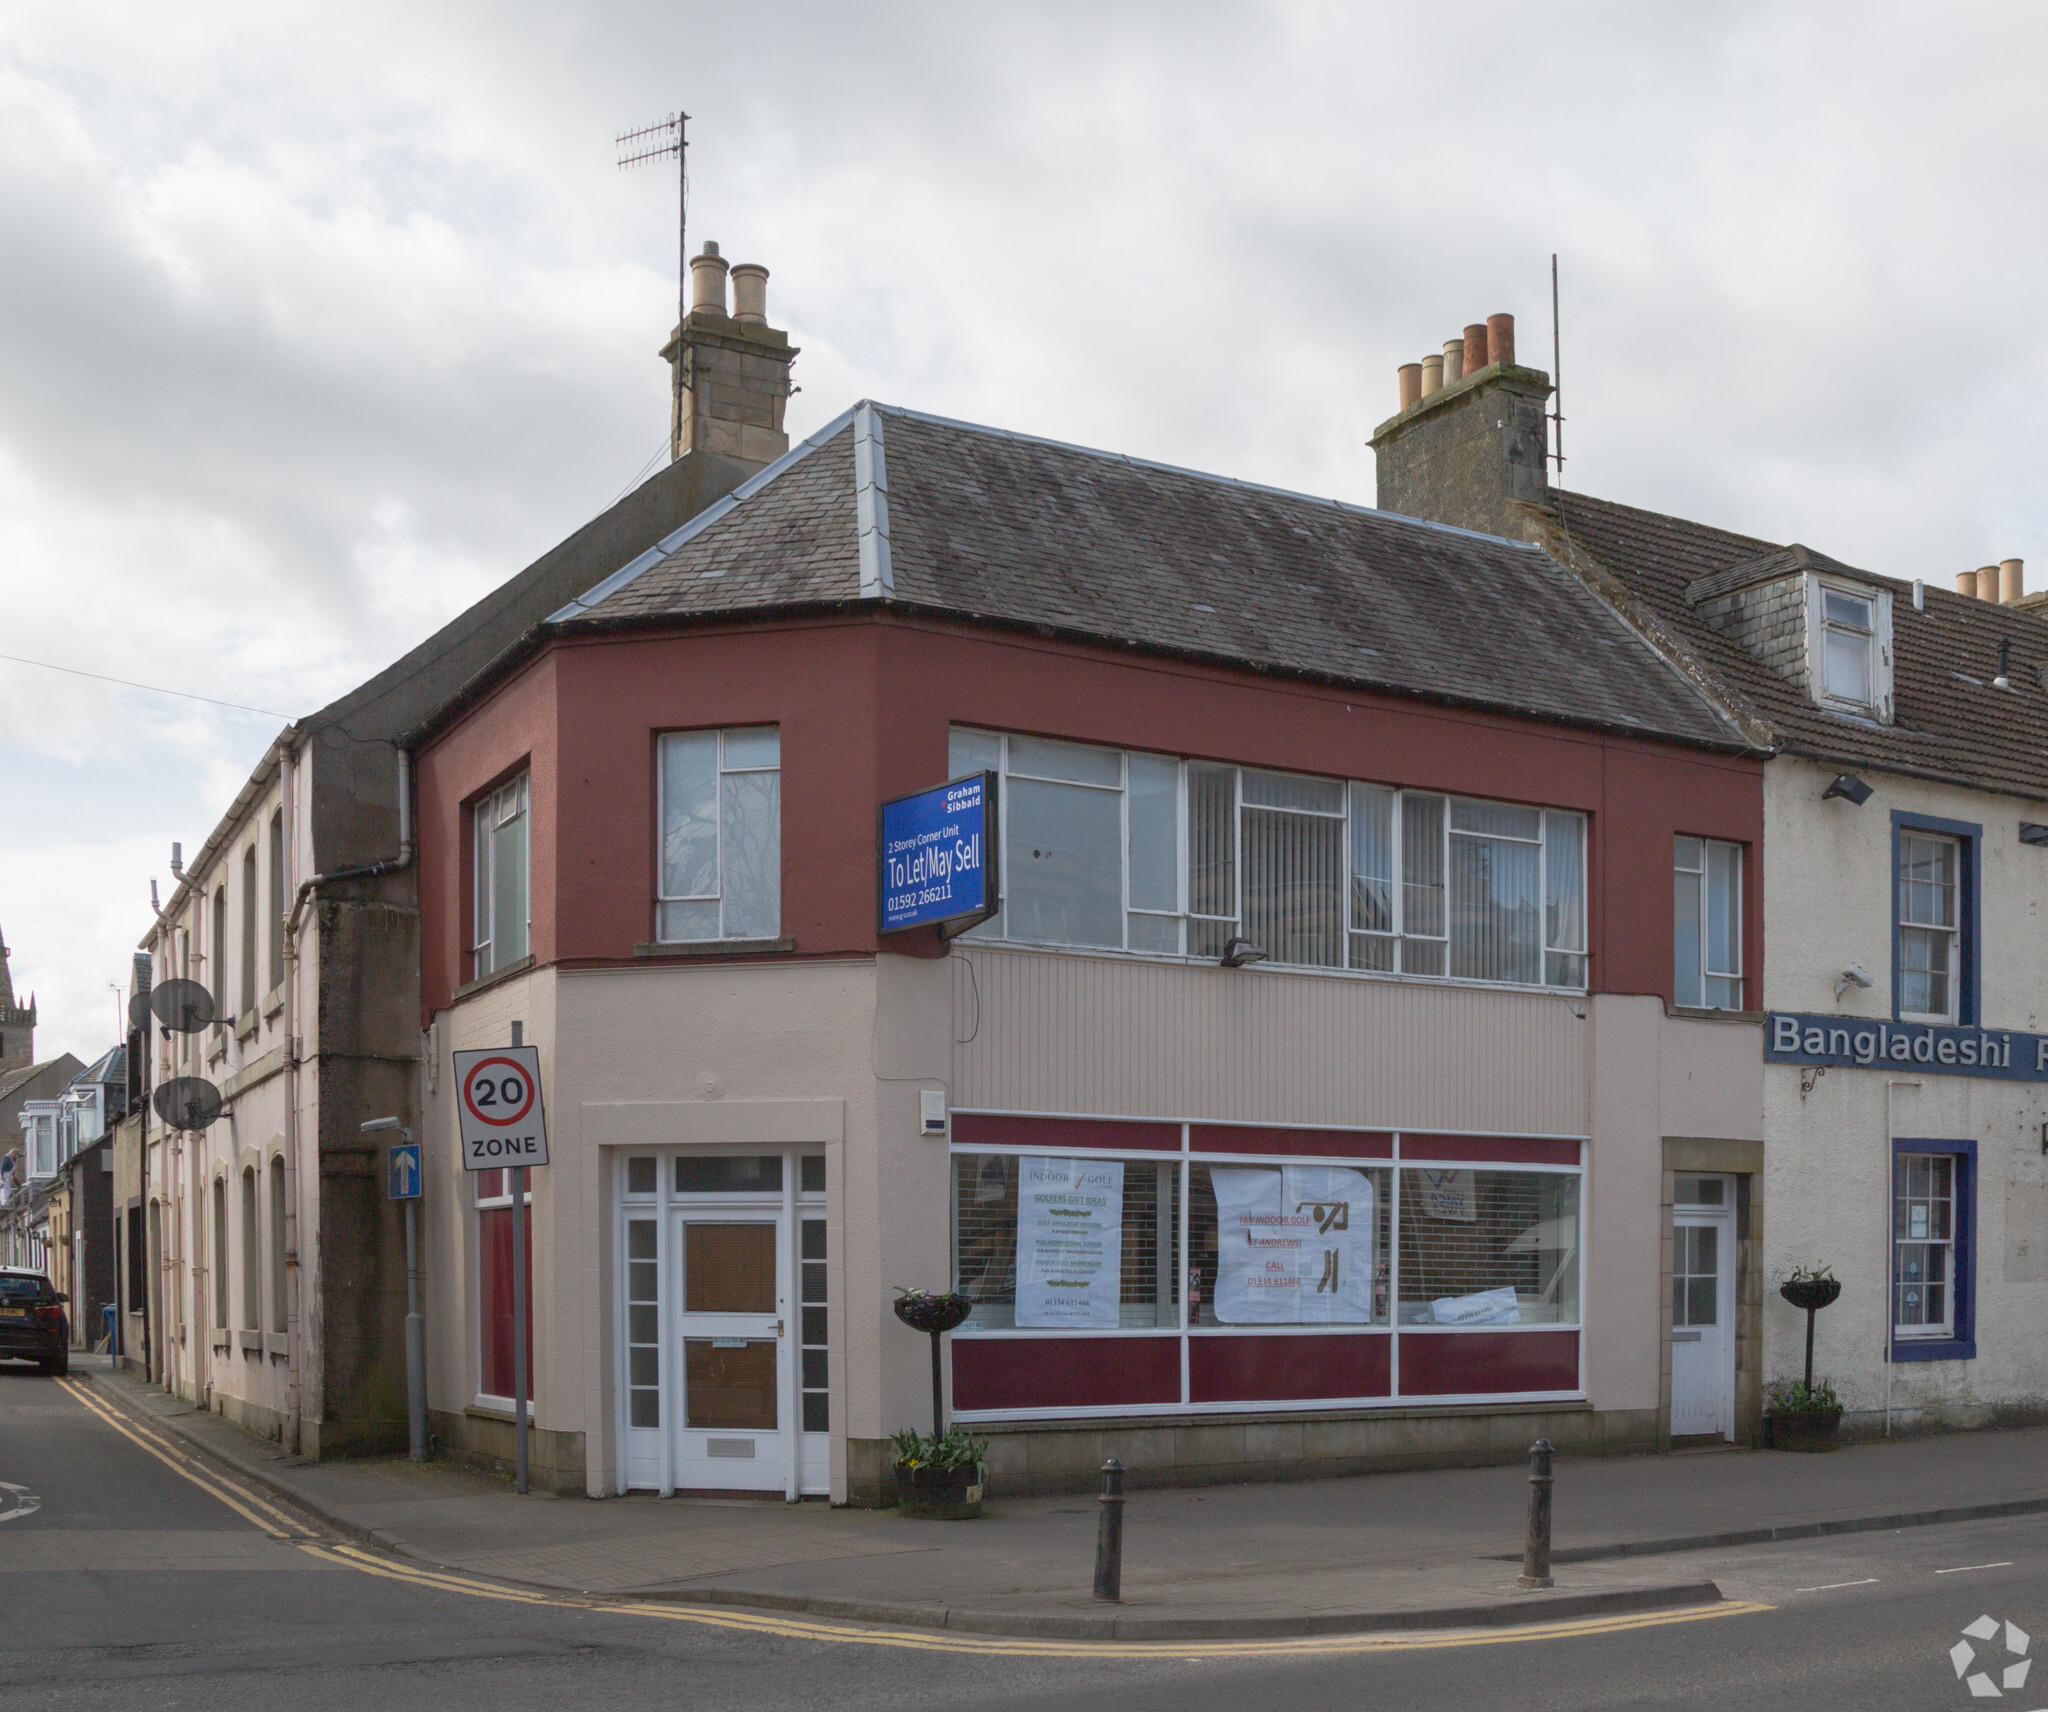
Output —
<point x="1850" y="1043"/>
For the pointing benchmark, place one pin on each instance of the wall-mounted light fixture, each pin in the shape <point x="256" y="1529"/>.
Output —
<point x="2033" y="832"/>
<point x="1238" y="952"/>
<point x="1849" y="788"/>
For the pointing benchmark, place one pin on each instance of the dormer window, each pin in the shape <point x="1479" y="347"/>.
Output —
<point x="1848" y="630"/>
<point x="1849" y="655"/>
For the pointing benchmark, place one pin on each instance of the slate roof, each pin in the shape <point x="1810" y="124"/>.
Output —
<point x="1949" y="722"/>
<point x="1001" y="528"/>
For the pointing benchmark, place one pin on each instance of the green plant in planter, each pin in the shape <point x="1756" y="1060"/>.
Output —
<point x="954" y="1448"/>
<point x="1792" y="1397"/>
<point x="1809" y="1274"/>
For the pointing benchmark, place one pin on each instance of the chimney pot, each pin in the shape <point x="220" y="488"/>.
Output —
<point x="1454" y="361"/>
<point x="1987" y="583"/>
<point x="750" y="293"/>
<point x="2012" y="580"/>
<point x="1475" y="347"/>
<point x="1500" y="338"/>
<point x="1432" y="375"/>
<point x="707" y="281"/>
<point x="1411" y="384"/>
<point x="1966" y="584"/>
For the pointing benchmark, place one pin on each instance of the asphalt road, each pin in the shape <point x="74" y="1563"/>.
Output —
<point x="135" y="1576"/>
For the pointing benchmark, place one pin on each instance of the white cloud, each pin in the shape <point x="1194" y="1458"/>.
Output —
<point x="317" y="322"/>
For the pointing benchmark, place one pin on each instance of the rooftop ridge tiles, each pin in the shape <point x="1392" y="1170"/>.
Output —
<point x="629" y="572"/>
<point x="1323" y="500"/>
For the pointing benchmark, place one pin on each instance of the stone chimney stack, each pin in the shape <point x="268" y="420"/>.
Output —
<point x="735" y="367"/>
<point x="1474" y="450"/>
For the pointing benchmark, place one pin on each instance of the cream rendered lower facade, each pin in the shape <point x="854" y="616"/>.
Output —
<point x="1922" y="1186"/>
<point x="738" y="1185"/>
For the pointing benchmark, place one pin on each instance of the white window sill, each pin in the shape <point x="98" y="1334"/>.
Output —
<point x="970" y="943"/>
<point x="712" y="947"/>
<point x="1919" y="1021"/>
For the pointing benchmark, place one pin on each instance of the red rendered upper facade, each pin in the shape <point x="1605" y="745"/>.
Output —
<point x="864" y="704"/>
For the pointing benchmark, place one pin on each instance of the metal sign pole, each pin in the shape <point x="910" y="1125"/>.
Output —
<point x="519" y="1300"/>
<point x="415" y="1350"/>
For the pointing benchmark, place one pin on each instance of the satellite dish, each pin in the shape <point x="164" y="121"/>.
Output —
<point x="184" y="1006"/>
<point x="187" y="1102"/>
<point x="138" y="1011"/>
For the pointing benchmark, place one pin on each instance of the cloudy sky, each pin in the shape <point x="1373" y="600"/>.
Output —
<point x="315" y="322"/>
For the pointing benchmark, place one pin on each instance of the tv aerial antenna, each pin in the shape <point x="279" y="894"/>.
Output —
<point x="1556" y="377"/>
<point x="669" y="140"/>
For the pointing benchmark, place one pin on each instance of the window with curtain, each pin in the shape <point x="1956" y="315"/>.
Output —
<point x="278" y="1304"/>
<point x="500" y="855"/>
<point x="217" y="968"/>
<point x="247" y="1005"/>
<point x="252" y="1250"/>
<point x="1150" y="853"/>
<point x="1930" y="925"/>
<point x="220" y="1253"/>
<point x="720" y="812"/>
<point x="277" y="900"/>
<point x="1707" y="924"/>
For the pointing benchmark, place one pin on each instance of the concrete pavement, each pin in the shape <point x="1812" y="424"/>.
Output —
<point x="1412" y="1550"/>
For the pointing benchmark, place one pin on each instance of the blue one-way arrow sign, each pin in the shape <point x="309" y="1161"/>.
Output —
<point x="405" y="1172"/>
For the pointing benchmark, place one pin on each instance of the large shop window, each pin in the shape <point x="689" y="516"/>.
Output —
<point x="1933" y="1243"/>
<point x="1706" y="956"/>
<point x="1150" y="853"/>
<point x="721" y="835"/>
<point x="500" y="856"/>
<point x="1117" y="1265"/>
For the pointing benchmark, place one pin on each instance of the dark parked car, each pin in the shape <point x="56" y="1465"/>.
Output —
<point x="32" y="1326"/>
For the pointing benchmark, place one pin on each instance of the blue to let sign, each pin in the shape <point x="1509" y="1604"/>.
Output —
<point x="935" y="860"/>
<point x="405" y="1172"/>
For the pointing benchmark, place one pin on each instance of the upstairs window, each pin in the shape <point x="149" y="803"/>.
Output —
<point x="248" y="994"/>
<point x="1707" y="916"/>
<point x="1849" y="633"/>
<point x="1148" y="853"/>
<point x="1929" y="926"/>
<point x="502" y="852"/>
<point x="277" y="910"/>
<point x="721" y="835"/>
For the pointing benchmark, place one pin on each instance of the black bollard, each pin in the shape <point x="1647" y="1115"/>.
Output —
<point x="1109" y="1536"/>
<point x="1536" y="1548"/>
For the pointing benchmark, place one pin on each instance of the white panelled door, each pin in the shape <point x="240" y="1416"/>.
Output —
<point x="1703" y="1308"/>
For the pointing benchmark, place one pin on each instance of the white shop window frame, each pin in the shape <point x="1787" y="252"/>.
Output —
<point x="1188" y="1157"/>
<point x="996" y="930"/>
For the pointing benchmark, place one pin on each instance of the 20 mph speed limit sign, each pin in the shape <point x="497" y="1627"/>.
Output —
<point x="497" y="1096"/>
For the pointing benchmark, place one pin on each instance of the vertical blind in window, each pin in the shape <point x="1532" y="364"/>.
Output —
<point x="1707" y="923"/>
<point x="1928" y="917"/>
<point x="1148" y="853"/>
<point x="501" y="858"/>
<point x="721" y="835"/>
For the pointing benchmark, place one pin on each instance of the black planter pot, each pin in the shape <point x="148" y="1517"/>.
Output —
<point x="939" y="1494"/>
<point x="1811" y="1293"/>
<point x="1807" y="1429"/>
<point x="933" y="1313"/>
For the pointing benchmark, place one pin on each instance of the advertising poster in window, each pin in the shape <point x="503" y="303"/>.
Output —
<point x="1069" y="1242"/>
<point x="1294" y="1245"/>
<point x="1449" y="1195"/>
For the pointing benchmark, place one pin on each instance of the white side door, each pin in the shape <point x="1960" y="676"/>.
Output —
<point x="735" y="1418"/>
<point x="1703" y="1319"/>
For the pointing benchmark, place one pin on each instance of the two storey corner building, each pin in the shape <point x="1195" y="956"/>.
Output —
<point x="1302" y="1109"/>
<point x="1905" y="868"/>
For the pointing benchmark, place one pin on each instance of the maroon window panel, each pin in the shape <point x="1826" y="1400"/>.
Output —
<point x="496" y="1318"/>
<point x="1307" y="1143"/>
<point x="1064" y="1373"/>
<point x="1284" y="1369"/>
<point x="1458" y="1364"/>
<point x="1057" y="1135"/>
<point x="1488" y="1150"/>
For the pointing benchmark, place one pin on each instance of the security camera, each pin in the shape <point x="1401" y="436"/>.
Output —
<point x="1853" y="976"/>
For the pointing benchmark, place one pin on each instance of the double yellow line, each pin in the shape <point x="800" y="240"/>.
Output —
<point x="258" y="1512"/>
<point x="281" y="1525"/>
